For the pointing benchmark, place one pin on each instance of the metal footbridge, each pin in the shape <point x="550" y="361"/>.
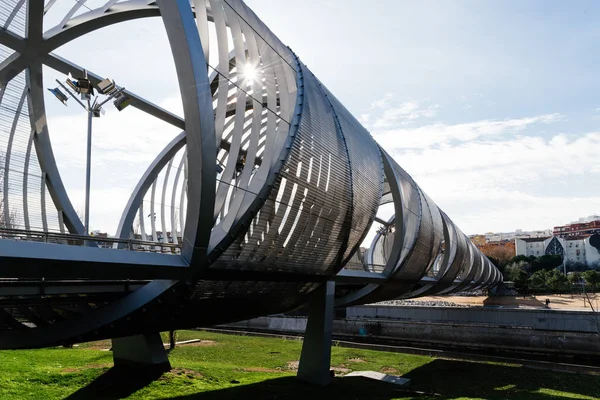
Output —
<point x="262" y="200"/>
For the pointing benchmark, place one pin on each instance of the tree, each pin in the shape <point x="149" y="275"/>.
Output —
<point x="521" y="257"/>
<point x="517" y="273"/>
<point x="538" y="280"/>
<point x="556" y="281"/>
<point x="501" y="254"/>
<point x="592" y="278"/>
<point x="574" y="278"/>
<point x="547" y="262"/>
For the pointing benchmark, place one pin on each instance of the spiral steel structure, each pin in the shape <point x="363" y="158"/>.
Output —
<point x="267" y="192"/>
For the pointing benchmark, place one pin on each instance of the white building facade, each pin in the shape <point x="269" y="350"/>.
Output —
<point x="584" y="250"/>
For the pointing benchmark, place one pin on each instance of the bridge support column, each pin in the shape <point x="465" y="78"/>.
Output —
<point x="315" y="359"/>
<point x="141" y="351"/>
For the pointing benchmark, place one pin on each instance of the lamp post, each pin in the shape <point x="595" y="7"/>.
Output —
<point x="84" y="87"/>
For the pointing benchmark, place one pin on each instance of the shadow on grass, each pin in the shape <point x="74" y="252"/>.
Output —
<point x="289" y="388"/>
<point x="120" y="383"/>
<point x="439" y="379"/>
<point x="117" y="383"/>
<point x="452" y="379"/>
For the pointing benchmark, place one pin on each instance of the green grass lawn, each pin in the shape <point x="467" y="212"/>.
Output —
<point x="232" y="367"/>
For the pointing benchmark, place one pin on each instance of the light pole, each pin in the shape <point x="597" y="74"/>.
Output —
<point x="83" y="86"/>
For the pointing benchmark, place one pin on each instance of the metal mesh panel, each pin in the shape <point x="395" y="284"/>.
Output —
<point x="411" y="210"/>
<point x="366" y="170"/>
<point x="425" y="248"/>
<point x="13" y="16"/>
<point x="25" y="201"/>
<point x="471" y="270"/>
<point x="458" y="248"/>
<point x="206" y="290"/>
<point x="293" y="230"/>
<point x="467" y="264"/>
<point x="254" y="94"/>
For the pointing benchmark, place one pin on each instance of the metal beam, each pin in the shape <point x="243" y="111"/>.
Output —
<point x="12" y="41"/>
<point x="35" y="21"/>
<point x="43" y="147"/>
<point x="199" y="126"/>
<point x="62" y="65"/>
<point x="21" y="259"/>
<point x="49" y="288"/>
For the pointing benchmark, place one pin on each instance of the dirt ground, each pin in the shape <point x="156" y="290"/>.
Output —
<point x="561" y="302"/>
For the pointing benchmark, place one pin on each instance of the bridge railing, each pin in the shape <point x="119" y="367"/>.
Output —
<point x="359" y="266"/>
<point x="93" y="241"/>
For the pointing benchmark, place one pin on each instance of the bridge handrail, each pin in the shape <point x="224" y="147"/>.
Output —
<point x="23" y="234"/>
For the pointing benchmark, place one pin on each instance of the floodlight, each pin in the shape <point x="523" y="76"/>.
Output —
<point x="122" y="101"/>
<point x="96" y="112"/>
<point x="72" y="84"/>
<point x="83" y="86"/>
<point x="59" y="95"/>
<point x="106" y="87"/>
<point x="94" y="108"/>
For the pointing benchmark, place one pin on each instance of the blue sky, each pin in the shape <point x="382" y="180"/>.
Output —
<point x="493" y="107"/>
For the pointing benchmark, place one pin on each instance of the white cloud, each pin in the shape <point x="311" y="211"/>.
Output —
<point x="521" y="156"/>
<point x="404" y="113"/>
<point x="440" y="134"/>
<point x="383" y="102"/>
<point x="386" y="112"/>
<point x="505" y="211"/>
<point x="528" y="182"/>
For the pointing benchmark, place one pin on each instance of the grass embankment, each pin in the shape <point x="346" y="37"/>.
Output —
<point x="232" y="367"/>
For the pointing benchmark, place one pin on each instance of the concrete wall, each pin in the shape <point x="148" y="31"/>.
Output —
<point x="552" y="320"/>
<point x="504" y="329"/>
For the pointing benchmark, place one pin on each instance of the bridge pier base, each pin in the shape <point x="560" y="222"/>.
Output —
<point x="315" y="358"/>
<point x="141" y="351"/>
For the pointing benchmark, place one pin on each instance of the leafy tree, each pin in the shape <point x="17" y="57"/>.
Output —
<point x="547" y="262"/>
<point x="517" y="273"/>
<point x="548" y="280"/>
<point x="592" y="278"/>
<point x="538" y="280"/>
<point x="556" y="281"/>
<point x="574" y="278"/>
<point x="500" y="254"/>
<point x="520" y="258"/>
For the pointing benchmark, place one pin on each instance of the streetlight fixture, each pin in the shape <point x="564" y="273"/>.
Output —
<point x="93" y="106"/>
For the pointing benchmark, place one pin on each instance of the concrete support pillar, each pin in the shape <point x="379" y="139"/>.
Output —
<point x="316" y="349"/>
<point x="141" y="351"/>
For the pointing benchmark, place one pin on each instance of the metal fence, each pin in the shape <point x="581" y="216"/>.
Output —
<point x="92" y="241"/>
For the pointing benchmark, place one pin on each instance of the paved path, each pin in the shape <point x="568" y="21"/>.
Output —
<point x="561" y="302"/>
